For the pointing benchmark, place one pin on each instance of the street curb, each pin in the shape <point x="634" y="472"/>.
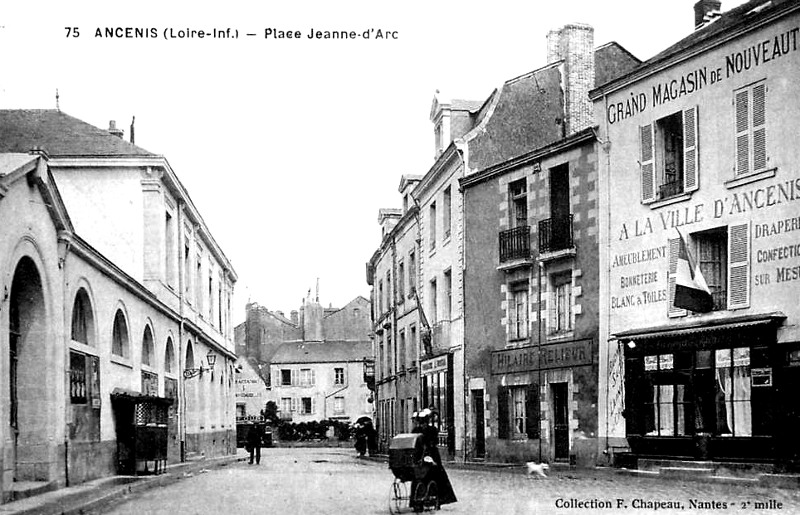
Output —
<point x="95" y="499"/>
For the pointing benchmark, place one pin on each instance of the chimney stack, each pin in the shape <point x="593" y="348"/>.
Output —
<point x="112" y="129"/>
<point x="706" y="11"/>
<point x="574" y="45"/>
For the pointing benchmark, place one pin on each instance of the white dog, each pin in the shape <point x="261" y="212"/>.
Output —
<point x="537" y="469"/>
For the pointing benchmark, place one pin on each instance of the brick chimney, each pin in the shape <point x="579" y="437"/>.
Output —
<point x="112" y="129"/>
<point x="574" y="45"/>
<point x="706" y="11"/>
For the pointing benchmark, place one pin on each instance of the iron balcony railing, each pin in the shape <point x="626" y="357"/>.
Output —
<point x="555" y="234"/>
<point x="515" y="243"/>
<point x="670" y="189"/>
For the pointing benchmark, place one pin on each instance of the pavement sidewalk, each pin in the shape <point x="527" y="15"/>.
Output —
<point x="93" y="496"/>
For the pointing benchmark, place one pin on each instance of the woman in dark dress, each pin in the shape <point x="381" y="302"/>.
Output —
<point x="430" y="450"/>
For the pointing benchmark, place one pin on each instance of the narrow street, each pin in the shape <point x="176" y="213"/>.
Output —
<point x="317" y="481"/>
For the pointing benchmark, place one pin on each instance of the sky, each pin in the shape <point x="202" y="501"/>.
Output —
<point x="289" y="147"/>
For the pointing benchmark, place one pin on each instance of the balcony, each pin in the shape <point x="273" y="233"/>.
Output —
<point x="515" y="244"/>
<point x="555" y="234"/>
<point x="670" y="189"/>
<point x="719" y="299"/>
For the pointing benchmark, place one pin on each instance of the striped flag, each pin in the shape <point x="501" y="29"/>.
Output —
<point x="691" y="290"/>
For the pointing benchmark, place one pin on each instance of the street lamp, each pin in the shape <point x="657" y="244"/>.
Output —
<point x="192" y="372"/>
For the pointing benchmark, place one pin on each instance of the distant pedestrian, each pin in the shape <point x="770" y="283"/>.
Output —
<point x="254" y="443"/>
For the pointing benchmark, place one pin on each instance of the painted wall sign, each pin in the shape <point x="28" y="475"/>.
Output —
<point x="738" y="61"/>
<point x="748" y="201"/>
<point x="554" y="355"/>
<point x="434" y="365"/>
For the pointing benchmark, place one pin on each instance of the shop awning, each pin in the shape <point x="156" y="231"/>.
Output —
<point x="693" y="327"/>
<point x="123" y="394"/>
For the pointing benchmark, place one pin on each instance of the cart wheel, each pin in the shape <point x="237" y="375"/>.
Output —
<point x="432" y="495"/>
<point x="418" y="497"/>
<point x="397" y="496"/>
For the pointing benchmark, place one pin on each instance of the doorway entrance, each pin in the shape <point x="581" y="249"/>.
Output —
<point x="480" y="434"/>
<point x="28" y="388"/>
<point x="560" y="421"/>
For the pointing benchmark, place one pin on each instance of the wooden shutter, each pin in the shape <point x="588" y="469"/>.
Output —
<point x="502" y="412"/>
<point x="691" y="174"/>
<point x="647" y="162"/>
<point x="759" y="127"/>
<point x="532" y="411"/>
<point x="313" y="404"/>
<point x="313" y="377"/>
<point x="295" y="377"/>
<point x="293" y="404"/>
<point x="739" y="266"/>
<point x="742" y="103"/>
<point x="674" y="245"/>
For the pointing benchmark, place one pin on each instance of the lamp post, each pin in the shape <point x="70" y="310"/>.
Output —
<point x="211" y="358"/>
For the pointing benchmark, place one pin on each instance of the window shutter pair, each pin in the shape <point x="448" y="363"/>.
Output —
<point x="751" y="131"/>
<point x="502" y="412"/>
<point x="647" y="161"/>
<point x="532" y="411"/>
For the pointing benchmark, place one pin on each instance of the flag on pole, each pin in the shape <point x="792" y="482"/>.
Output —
<point x="691" y="289"/>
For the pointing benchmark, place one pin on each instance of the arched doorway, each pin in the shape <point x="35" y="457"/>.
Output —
<point x="27" y="391"/>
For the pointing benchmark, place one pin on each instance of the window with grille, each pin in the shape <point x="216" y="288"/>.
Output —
<point x="306" y="377"/>
<point x="338" y="376"/>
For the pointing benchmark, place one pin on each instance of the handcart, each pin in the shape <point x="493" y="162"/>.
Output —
<point x="413" y="486"/>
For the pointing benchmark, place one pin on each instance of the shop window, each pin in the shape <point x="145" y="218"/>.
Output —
<point x="84" y="379"/>
<point x="518" y="410"/>
<point x="734" y="383"/>
<point x="241" y="411"/>
<point x="668" y="156"/>
<point x="668" y="404"/>
<point x="518" y="311"/>
<point x="751" y="130"/>
<point x="793" y="358"/>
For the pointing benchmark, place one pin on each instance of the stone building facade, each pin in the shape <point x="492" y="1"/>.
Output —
<point x="123" y="288"/>
<point x="699" y="160"/>
<point x="531" y="267"/>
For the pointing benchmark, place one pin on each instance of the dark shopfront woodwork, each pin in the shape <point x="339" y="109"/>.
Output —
<point x="728" y="394"/>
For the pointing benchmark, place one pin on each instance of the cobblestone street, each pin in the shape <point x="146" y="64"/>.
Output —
<point x="317" y="481"/>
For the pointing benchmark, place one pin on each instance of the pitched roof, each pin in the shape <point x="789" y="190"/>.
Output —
<point x="59" y="134"/>
<point x="322" y="352"/>
<point x="741" y="17"/>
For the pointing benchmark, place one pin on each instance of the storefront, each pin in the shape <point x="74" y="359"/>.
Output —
<point x="437" y="394"/>
<point x="717" y="391"/>
<point x="556" y="422"/>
